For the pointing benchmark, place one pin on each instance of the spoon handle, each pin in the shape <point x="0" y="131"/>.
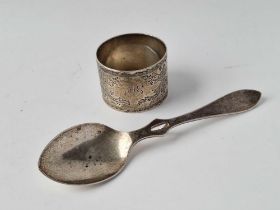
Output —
<point x="232" y="103"/>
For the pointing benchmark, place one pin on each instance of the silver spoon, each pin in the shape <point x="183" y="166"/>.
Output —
<point x="92" y="152"/>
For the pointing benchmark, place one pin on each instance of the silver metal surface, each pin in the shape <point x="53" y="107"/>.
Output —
<point x="133" y="72"/>
<point x="90" y="153"/>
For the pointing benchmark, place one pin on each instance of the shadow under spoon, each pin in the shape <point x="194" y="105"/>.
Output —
<point x="93" y="152"/>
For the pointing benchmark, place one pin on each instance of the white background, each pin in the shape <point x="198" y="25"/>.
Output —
<point x="49" y="82"/>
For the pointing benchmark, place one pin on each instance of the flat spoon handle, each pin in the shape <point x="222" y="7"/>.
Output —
<point x="232" y="103"/>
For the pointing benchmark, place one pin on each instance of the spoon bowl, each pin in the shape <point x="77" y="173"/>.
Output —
<point x="87" y="153"/>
